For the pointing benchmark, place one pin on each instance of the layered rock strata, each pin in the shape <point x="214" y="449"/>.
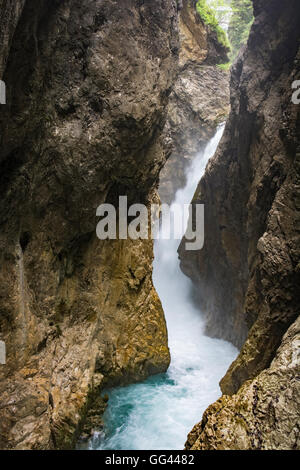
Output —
<point x="247" y="276"/>
<point x="87" y="90"/>
<point x="199" y="100"/>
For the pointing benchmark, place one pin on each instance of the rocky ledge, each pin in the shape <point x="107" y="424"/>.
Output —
<point x="82" y="125"/>
<point x="199" y="100"/>
<point x="247" y="276"/>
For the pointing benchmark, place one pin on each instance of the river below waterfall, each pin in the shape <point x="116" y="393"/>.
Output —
<point x="159" y="412"/>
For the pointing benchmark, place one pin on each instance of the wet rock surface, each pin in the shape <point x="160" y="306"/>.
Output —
<point x="199" y="100"/>
<point x="88" y="85"/>
<point x="247" y="276"/>
<point x="264" y="414"/>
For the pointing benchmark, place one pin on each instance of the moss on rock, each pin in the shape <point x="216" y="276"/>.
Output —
<point x="208" y="17"/>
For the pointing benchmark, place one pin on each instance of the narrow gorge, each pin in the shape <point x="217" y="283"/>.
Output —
<point x="120" y="343"/>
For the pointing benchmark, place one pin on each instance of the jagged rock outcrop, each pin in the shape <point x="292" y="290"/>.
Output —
<point x="264" y="414"/>
<point x="247" y="276"/>
<point x="199" y="100"/>
<point x="88" y="85"/>
<point x="198" y="41"/>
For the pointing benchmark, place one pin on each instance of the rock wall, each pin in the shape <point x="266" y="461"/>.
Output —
<point x="88" y="85"/>
<point x="247" y="275"/>
<point x="10" y="12"/>
<point x="264" y="414"/>
<point x="199" y="100"/>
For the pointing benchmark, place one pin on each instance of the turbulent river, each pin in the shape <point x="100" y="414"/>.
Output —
<point x="159" y="413"/>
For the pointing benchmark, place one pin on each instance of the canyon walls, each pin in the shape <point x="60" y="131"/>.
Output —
<point x="247" y="275"/>
<point x="263" y="414"/>
<point x="199" y="100"/>
<point x="97" y="93"/>
<point x="87" y="90"/>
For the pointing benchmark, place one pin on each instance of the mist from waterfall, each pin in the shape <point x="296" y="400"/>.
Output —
<point x="159" y="413"/>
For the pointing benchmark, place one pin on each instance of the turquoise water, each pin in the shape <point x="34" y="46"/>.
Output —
<point x="159" y="413"/>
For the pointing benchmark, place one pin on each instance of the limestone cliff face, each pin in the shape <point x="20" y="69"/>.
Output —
<point x="199" y="100"/>
<point x="247" y="275"/>
<point x="88" y="85"/>
<point x="264" y="414"/>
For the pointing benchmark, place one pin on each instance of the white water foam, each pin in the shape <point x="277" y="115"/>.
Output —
<point x="159" y="413"/>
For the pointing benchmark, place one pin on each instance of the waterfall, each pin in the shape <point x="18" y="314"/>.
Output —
<point x="159" y="413"/>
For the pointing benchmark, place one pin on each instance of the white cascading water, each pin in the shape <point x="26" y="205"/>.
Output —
<point x="159" y="413"/>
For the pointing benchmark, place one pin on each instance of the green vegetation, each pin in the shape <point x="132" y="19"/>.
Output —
<point x="208" y="17"/>
<point x="224" y="66"/>
<point x="237" y="15"/>
<point x="222" y="10"/>
<point x="240" y="24"/>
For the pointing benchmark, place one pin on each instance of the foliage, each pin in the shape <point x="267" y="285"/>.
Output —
<point x="224" y="66"/>
<point x="222" y="11"/>
<point x="208" y="17"/>
<point x="240" y="24"/>
<point x="239" y="15"/>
